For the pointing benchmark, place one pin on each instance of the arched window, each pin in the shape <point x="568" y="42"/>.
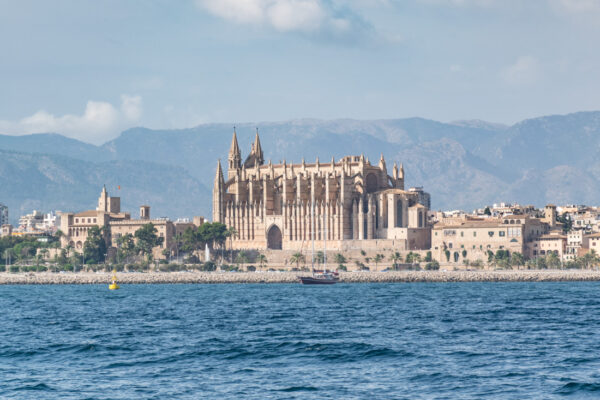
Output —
<point x="399" y="214"/>
<point x="274" y="238"/>
<point x="371" y="183"/>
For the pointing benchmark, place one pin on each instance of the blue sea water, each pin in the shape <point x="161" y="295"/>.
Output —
<point x="347" y="341"/>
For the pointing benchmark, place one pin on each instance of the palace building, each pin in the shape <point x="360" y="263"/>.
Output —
<point x="346" y="204"/>
<point x="115" y="223"/>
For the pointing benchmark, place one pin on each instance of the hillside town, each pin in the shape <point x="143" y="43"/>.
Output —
<point x="347" y="214"/>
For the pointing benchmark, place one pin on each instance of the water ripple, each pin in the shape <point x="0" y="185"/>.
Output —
<point x="375" y="341"/>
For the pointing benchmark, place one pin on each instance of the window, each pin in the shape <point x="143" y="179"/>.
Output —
<point x="399" y="214"/>
<point x="94" y="220"/>
<point x="473" y="247"/>
<point x="501" y="233"/>
<point x="76" y="220"/>
<point x="435" y="233"/>
<point x="462" y="246"/>
<point x="535" y="252"/>
<point x="474" y="234"/>
<point x="491" y="233"/>
<point x="462" y="234"/>
<point x="449" y="245"/>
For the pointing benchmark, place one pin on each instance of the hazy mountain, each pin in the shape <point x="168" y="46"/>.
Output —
<point x="31" y="181"/>
<point x="463" y="164"/>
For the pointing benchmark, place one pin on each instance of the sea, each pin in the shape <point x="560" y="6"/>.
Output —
<point x="288" y="341"/>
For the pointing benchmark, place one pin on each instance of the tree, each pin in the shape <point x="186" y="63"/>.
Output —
<point x="241" y="258"/>
<point x="147" y="239"/>
<point x="517" y="259"/>
<point x="588" y="260"/>
<point x="490" y="255"/>
<point x="94" y="247"/>
<point x="432" y="266"/>
<point x="566" y="221"/>
<point x="320" y="257"/>
<point x="262" y="260"/>
<point x="340" y="260"/>
<point x="69" y="248"/>
<point x="125" y="247"/>
<point x="428" y="257"/>
<point x="297" y="258"/>
<point x="464" y="253"/>
<point x="377" y="259"/>
<point x="395" y="258"/>
<point x="446" y="253"/>
<point x="231" y="233"/>
<point x="487" y="211"/>
<point x="190" y="240"/>
<point x="552" y="260"/>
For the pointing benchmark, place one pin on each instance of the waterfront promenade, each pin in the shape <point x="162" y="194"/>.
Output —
<point x="44" y="278"/>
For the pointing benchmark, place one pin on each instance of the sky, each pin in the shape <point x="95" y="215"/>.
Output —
<point x="90" y="69"/>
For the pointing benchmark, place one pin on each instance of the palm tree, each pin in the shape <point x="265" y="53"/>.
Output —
<point x="339" y="259"/>
<point x="69" y="247"/>
<point x="394" y="258"/>
<point x="377" y="258"/>
<point x="241" y="258"/>
<point x="231" y="232"/>
<point x="297" y="258"/>
<point x="262" y="260"/>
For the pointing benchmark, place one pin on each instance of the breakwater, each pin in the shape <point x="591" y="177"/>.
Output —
<point x="47" y="278"/>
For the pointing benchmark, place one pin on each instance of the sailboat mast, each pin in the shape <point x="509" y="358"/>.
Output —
<point x="325" y="239"/>
<point x="312" y="223"/>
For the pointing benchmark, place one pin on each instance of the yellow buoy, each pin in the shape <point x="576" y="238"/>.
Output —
<point x="113" y="285"/>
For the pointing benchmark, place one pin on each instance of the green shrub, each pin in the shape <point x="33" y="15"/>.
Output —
<point x="251" y="268"/>
<point x="432" y="266"/>
<point x="211" y="266"/>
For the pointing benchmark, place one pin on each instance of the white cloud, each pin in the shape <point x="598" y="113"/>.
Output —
<point x="305" y="16"/>
<point x="100" y="121"/>
<point x="525" y="70"/>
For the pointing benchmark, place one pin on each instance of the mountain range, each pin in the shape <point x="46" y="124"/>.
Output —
<point x="463" y="164"/>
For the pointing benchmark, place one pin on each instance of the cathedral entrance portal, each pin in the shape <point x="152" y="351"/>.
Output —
<point x="274" y="238"/>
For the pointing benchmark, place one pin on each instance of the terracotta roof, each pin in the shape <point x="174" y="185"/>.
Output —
<point x="550" y="237"/>
<point x="89" y="213"/>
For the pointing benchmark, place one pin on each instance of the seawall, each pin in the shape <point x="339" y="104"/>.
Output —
<point x="47" y="278"/>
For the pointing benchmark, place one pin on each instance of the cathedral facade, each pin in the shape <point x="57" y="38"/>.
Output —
<point x="345" y="204"/>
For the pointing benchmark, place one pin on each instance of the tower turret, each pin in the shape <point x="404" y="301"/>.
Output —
<point x="235" y="157"/>
<point x="218" y="194"/>
<point x="256" y="156"/>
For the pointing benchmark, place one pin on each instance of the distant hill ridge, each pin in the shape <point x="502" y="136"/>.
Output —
<point x="463" y="164"/>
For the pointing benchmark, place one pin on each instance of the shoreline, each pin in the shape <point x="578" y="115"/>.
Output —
<point x="196" y="277"/>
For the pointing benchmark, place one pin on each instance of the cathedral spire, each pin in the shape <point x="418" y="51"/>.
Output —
<point x="219" y="175"/>
<point x="256" y="156"/>
<point x="382" y="165"/>
<point x="235" y="156"/>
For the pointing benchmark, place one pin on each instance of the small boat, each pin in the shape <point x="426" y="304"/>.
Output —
<point x="114" y="285"/>
<point x="323" y="277"/>
<point x="320" y="278"/>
